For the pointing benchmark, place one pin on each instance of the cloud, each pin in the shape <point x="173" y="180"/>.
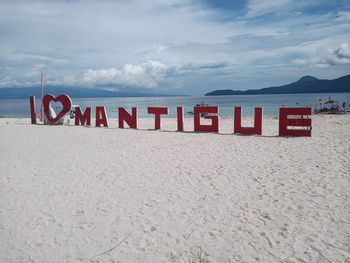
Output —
<point x="338" y="56"/>
<point x="278" y="8"/>
<point x="158" y="44"/>
<point x="144" y="75"/>
<point x="258" y="7"/>
<point x="12" y="55"/>
<point x="343" y="51"/>
<point x="8" y="81"/>
<point x="342" y="16"/>
<point x="205" y="65"/>
<point x="329" y="57"/>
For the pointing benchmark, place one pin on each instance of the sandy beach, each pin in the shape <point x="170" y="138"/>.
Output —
<point x="78" y="194"/>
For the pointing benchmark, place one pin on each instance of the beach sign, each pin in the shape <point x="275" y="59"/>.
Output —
<point x="292" y="121"/>
<point x="63" y="99"/>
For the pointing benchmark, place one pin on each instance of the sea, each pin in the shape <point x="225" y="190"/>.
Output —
<point x="19" y="108"/>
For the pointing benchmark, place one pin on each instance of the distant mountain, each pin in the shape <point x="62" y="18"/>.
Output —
<point x="307" y="78"/>
<point x="306" y="84"/>
<point x="21" y="93"/>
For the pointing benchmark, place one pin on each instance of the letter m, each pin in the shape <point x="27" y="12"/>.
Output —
<point x="82" y="118"/>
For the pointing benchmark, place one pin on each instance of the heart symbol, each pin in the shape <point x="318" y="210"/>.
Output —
<point x="66" y="104"/>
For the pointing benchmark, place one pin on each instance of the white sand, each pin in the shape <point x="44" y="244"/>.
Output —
<point x="68" y="194"/>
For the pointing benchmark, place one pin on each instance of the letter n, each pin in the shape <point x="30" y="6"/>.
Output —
<point x="124" y="116"/>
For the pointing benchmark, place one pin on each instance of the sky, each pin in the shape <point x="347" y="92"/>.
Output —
<point x="172" y="47"/>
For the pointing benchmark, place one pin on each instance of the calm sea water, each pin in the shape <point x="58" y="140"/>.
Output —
<point x="270" y="103"/>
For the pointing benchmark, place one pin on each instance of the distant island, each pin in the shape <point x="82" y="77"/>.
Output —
<point x="306" y="84"/>
<point x="24" y="93"/>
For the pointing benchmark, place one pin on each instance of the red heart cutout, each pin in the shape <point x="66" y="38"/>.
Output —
<point x="66" y="104"/>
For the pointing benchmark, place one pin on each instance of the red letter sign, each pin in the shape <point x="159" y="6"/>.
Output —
<point x="248" y="130"/>
<point x="66" y="104"/>
<point x="157" y="112"/>
<point x="301" y="121"/>
<point x="131" y="120"/>
<point x="82" y="119"/>
<point x="180" y="119"/>
<point x="202" y="111"/>
<point x="101" y="120"/>
<point x="32" y="109"/>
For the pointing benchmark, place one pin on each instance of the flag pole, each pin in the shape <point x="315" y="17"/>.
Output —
<point x="42" y="95"/>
